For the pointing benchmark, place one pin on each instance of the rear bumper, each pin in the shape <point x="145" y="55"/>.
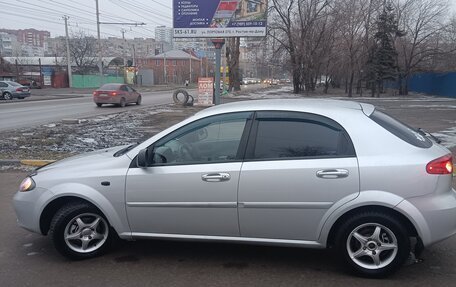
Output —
<point x="434" y="215"/>
<point x="106" y="99"/>
<point x="20" y="94"/>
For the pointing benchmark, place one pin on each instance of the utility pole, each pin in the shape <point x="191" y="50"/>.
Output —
<point x="67" y="39"/>
<point x="190" y="77"/>
<point x="100" y="52"/>
<point x="123" y="46"/>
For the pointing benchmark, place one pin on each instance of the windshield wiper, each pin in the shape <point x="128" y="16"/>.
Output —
<point x="125" y="149"/>
<point x="426" y="133"/>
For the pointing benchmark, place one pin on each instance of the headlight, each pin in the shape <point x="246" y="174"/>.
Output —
<point x="27" y="184"/>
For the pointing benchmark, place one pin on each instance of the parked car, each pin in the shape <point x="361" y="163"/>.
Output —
<point x="305" y="173"/>
<point x="30" y="83"/>
<point x="119" y="94"/>
<point x="10" y="90"/>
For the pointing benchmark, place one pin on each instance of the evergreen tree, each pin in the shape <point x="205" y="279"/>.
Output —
<point x="382" y="64"/>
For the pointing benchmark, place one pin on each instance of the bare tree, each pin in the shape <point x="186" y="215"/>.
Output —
<point x="232" y="58"/>
<point x="424" y="23"/>
<point x="83" y="51"/>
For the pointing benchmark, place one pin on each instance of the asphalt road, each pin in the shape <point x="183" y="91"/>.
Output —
<point x="28" y="113"/>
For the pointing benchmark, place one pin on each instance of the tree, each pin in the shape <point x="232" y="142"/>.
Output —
<point x="83" y="51"/>
<point x="382" y="60"/>
<point x="232" y="58"/>
<point x="424" y="23"/>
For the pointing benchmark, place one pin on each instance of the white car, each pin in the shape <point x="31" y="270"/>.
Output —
<point x="303" y="173"/>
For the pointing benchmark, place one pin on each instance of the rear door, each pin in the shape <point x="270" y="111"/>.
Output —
<point x="297" y="166"/>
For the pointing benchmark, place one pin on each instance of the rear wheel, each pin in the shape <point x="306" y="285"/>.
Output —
<point x="373" y="244"/>
<point x="123" y="102"/>
<point x="99" y="105"/>
<point x="138" y="100"/>
<point x="80" y="231"/>
<point x="7" y="96"/>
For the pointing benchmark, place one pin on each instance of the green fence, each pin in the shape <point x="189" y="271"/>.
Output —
<point x="93" y="81"/>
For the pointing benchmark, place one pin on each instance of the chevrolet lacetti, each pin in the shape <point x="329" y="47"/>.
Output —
<point x="306" y="173"/>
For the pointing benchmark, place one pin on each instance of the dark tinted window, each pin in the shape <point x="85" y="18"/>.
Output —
<point x="401" y="130"/>
<point x="297" y="135"/>
<point x="209" y="140"/>
<point x="109" y="87"/>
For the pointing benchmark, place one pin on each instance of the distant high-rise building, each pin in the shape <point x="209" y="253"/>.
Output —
<point x="30" y="37"/>
<point x="163" y="38"/>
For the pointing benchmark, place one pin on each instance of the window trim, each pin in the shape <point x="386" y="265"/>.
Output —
<point x="304" y="116"/>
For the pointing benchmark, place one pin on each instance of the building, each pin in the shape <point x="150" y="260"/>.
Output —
<point x="175" y="66"/>
<point x="6" y="44"/>
<point x="163" y="39"/>
<point x="164" y="34"/>
<point x="30" y="37"/>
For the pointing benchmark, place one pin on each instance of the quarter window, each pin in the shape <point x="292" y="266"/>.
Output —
<point x="285" y="135"/>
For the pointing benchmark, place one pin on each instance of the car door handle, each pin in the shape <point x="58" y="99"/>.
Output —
<point x="332" y="173"/>
<point x="216" y="177"/>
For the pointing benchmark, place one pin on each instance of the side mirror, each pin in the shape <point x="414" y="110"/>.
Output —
<point x="142" y="158"/>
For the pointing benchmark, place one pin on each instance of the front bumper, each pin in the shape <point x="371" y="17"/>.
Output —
<point x="29" y="205"/>
<point x="434" y="215"/>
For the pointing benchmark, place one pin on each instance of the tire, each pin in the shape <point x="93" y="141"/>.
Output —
<point x="99" y="105"/>
<point x="176" y="97"/>
<point x="138" y="100"/>
<point x="122" y="103"/>
<point x="80" y="231"/>
<point x="7" y="96"/>
<point x="373" y="244"/>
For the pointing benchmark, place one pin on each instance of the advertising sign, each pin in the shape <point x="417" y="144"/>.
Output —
<point x="219" y="18"/>
<point x="205" y="91"/>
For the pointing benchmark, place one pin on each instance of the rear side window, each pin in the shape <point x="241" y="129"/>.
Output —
<point x="401" y="130"/>
<point x="288" y="135"/>
<point x="109" y="87"/>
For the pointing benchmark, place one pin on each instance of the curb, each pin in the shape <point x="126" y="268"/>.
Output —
<point x="29" y="162"/>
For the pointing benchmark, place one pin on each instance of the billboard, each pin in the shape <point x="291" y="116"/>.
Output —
<point x="205" y="91"/>
<point x="219" y="18"/>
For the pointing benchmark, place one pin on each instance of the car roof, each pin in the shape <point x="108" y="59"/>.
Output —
<point x="319" y="106"/>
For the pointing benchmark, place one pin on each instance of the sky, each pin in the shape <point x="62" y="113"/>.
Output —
<point x="47" y="15"/>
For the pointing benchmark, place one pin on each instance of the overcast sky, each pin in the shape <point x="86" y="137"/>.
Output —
<point x="47" y="15"/>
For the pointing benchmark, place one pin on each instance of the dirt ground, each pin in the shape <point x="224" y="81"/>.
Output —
<point x="62" y="139"/>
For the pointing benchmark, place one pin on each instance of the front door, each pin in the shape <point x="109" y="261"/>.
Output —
<point x="191" y="184"/>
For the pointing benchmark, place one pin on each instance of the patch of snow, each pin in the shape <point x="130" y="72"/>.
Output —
<point x="447" y="136"/>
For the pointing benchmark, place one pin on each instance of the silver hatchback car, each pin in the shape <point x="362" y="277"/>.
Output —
<point x="305" y="173"/>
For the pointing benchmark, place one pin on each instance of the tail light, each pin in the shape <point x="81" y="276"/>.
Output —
<point x="95" y="93"/>
<point x="19" y="90"/>
<point x="113" y="94"/>
<point x="441" y="165"/>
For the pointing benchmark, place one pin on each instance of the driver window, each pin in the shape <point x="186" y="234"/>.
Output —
<point x="209" y="140"/>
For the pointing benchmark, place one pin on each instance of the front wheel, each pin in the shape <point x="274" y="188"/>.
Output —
<point x="138" y="100"/>
<point x="80" y="231"/>
<point x="373" y="244"/>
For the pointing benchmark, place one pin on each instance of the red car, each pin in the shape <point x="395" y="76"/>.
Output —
<point x="118" y="94"/>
